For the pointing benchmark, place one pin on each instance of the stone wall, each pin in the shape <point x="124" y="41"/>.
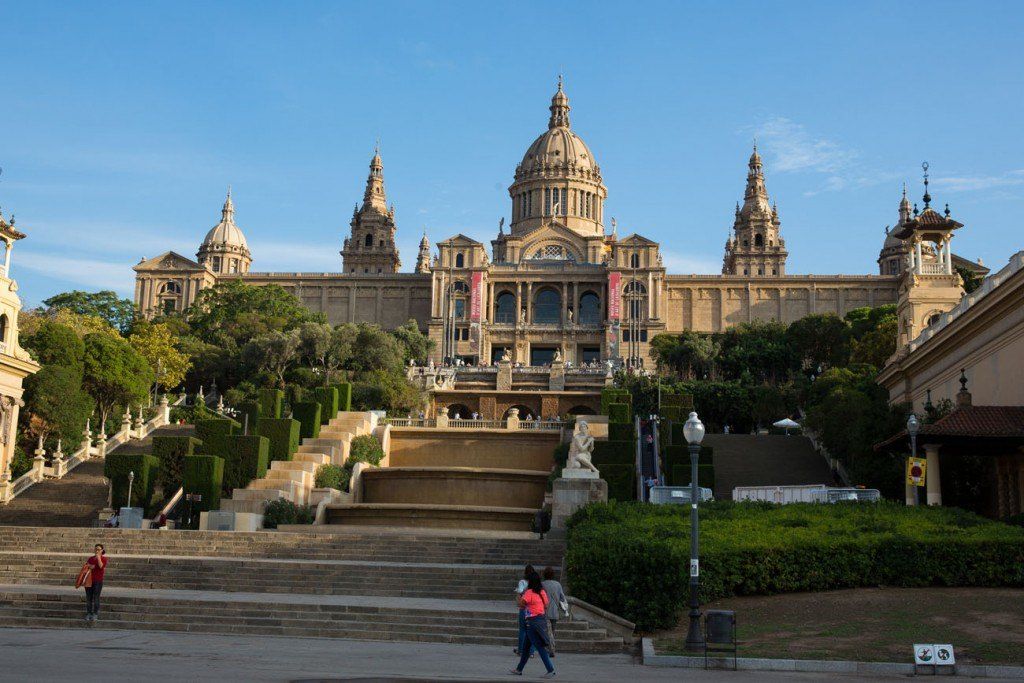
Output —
<point x="500" y="449"/>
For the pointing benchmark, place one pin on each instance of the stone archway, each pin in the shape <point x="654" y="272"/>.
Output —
<point x="525" y="412"/>
<point x="459" y="409"/>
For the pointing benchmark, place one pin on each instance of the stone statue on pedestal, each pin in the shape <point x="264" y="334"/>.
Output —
<point x="580" y="450"/>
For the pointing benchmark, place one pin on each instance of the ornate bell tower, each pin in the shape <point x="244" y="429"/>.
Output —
<point x="756" y="246"/>
<point x="371" y="248"/>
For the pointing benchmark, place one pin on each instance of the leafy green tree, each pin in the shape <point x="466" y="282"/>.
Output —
<point x="758" y="351"/>
<point x="56" y="405"/>
<point x="970" y="279"/>
<point x="55" y="344"/>
<point x="273" y="353"/>
<point x="119" y="313"/>
<point x="155" y="343"/>
<point x="417" y="345"/>
<point x="325" y="348"/>
<point x="878" y="344"/>
<point x="115" y="374"/>
<point x="864" y="319"/>
<point x="690" y="354"/>
<point x="231" y="313"/>
<point x="821" y="340"/>
<point x="374" y="349"/>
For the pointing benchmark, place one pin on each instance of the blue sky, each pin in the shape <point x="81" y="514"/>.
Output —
<point x="122" y="124"/>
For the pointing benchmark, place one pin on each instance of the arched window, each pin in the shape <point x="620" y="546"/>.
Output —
<point x="634" y="260"/>
<point x="215" y="263"/>
<point x="771" y="243"/>
<point x="547" y="307"/>
<point x="505" y="308"/>
<point x="746" y="243"/>
<point x="170" y="287"/>
<point x="460" y="260"/>
<point x="590" y="309"/>
<point x="758" y="240"/>
<point x="368" y="241"/>
<point x="636" y="300"/>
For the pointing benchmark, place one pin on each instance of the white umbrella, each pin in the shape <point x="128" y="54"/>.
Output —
<point x="787" y="424"/>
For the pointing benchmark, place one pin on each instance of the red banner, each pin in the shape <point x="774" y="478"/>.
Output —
<point x="614" y="296"/>
<point x="476" y="291"/>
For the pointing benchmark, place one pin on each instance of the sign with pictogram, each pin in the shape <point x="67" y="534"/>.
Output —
<point x="916" y="470"/>
<point x="934" y="654"/>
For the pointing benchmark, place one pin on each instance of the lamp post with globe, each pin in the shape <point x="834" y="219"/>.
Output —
<point x="693" y="430"/>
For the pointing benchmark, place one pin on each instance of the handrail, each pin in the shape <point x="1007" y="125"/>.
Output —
<point x="175" y="499"/>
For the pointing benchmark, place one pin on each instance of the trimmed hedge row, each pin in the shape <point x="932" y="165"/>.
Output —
<point x="344" y="396"/>
<point x="614" y="453"/>
<point x="633" y="558"/>
<point x="171" y="451"/>
<point x="621" y="481"/>
<point x="610" y="395"/>
<point x="204" y="474"/>
<point x="283" y="435"/>
<point x="308" y="415"/>
<point x="118" y="466"/>
<point x="270" y="403"/>
<point x="680" y="475"/>
<point x="327" y="397"/>
<point x="246" y="458"/>
<point x="621" y="431"/>
<point x="620" y="413"/>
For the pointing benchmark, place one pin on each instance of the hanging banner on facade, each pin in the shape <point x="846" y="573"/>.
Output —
<point x="476" y="291"/>
<point x="614" y="296"/>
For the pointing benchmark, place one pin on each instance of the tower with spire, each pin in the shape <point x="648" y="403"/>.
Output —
<point x="224" y="251"/>
<point x="423" y="257"/>
<point x="370" y="249"/>
<point x="755" y="247"/>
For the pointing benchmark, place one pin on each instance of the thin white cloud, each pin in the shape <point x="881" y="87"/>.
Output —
<point x="973" y="183"/>
<point x="791" y="147"/>
<point x="699" y="264"/>
<point x="89" y="273"/>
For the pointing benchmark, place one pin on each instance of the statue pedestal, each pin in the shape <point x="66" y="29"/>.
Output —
<point x="572" y="491"/>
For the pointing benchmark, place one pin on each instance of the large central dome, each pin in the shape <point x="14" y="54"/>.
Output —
<point x="558" y="178"/>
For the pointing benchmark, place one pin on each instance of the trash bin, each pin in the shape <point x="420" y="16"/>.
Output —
<point x="130" y="518"/>
<point x="720" y="634"/>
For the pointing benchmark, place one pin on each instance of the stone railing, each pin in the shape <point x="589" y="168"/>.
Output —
<point x="91" y="446"/>
<point x="446" y="422"/>
<point x="476" y="424"/>
<point x="408" y="422"/>
<point x="932" y="269"/>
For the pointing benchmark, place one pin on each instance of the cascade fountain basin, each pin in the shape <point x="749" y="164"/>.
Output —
<point x="468" y="486"/>
<point x="493" y="449"/>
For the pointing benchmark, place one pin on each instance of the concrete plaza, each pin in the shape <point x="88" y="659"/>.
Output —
<point x="108" y="655"/>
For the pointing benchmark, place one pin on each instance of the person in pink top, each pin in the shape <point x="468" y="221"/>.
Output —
<point x="534" y="601"/>
<point x="97" y="567"/>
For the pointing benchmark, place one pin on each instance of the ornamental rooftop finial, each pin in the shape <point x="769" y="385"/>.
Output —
<point x="927" y="197"/>
<point x="559" y="108"/>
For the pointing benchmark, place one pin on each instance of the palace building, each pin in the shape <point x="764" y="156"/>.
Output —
<point x="560" y="279"/>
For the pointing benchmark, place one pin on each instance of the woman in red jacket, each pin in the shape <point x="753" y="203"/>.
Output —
<point x="97" y="565"/>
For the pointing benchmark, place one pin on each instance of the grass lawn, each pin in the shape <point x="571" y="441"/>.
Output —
<point x="985" y="625"/>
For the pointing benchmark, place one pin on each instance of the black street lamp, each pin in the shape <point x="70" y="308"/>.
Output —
<point x="693" y="430"/>
<point x="912" y="428"/>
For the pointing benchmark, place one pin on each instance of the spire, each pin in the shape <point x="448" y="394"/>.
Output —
<point x="559" y="108"/>
<point x="375" y="196"/>
<point x="227" y="214"/>
<point x="927" y="197"/>
<point x="904" y="206"/>
<point x="755" y="198"/>
<point x="423" y="258"/>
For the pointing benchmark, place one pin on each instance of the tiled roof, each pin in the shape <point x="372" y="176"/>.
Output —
<point x="999" y="422"/>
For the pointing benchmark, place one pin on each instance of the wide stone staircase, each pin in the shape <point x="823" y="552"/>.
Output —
<point x="765" y="460"/>
<point x="294" y="479"/>
<point x="493" y="479"/>
<point x="373" y="584"/>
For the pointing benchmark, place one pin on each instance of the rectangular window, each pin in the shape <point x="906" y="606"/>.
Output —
<point x="547" y="201"/>
<point x="529" y="203"/>
<point x="460" y="308"/>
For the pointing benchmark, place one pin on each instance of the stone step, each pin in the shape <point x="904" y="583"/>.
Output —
<point x="411" y="515"/>
<point x="295" y="466"/>
<point x="315" y="458"/>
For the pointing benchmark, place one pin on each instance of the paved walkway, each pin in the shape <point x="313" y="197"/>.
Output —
<point x="81" y="656"/>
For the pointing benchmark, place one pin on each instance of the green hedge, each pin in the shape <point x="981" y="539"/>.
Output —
<point x="610" y="395"/>
<point x="286" y="512"/>
<point x="621" y="481"/>
<point x="327" y="397"/>
<point x="344" y="396"/>
<point x="365" y="448"/>
<point x="680" y="455"/>
<point x="681" y="402"/>
<point x="308" y="415"/>
<point x="116" y="468"/>
<point x="680" y="475"/>
<point x="204" y="474"/>
<point x="283" y="435"/>
<point x="170" y="451"/>
<point x="252" y="410"/>
<point x="632" y="559"/>
<point x="621" y="413"/>
<point x="215" y="427"/>
<point x="270" y="403"/>
<point x="332" y="477"/>
<point x="246" y="458"/>
<point x="614" y="453"/>
<point x="621" y="431"/>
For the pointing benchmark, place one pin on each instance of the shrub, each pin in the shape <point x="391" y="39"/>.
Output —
<point x="366" y="449"/>
<point x="680" y="475"/>
<point x="191" y="414"/>
<point x="621" y="481"/>
<point x="283" y="511"/>
<point x="171" y="451"/>
<point x="614" y="453"/>
<point x="246" y="458"/>
<point x="117" y="467"/>
<point x="332" y="477"/>
<point x="270" y="403"/>
<point x="308" y="415"/>
<point x="682" y="402"/>
<point x="250" y="409"/>
<point x="611" y="395"/>
<point x="344" y="396"/>
<point x="632" y="559"/>
<point x="212" y="428"/>
<point x="621" y="413"/>
<point x="283" y="435"/>
<point x="327" y="397"/>
<point x="621" y="431"/>
<point x="204" y="474"/>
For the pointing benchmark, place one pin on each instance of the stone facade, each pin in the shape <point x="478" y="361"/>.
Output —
<point x="556" y="281"/>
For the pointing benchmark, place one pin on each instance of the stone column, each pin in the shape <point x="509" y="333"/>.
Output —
<point x="87" y="439"/>
<point x="5" y="484"/>
<point x="933" y="479"/>
<point x="39" y="462"/>
<point x="917" y="255"/>
<point x="165" y="409"/>
<point x="512" y="421"/>
<point x="60" y="463"/>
